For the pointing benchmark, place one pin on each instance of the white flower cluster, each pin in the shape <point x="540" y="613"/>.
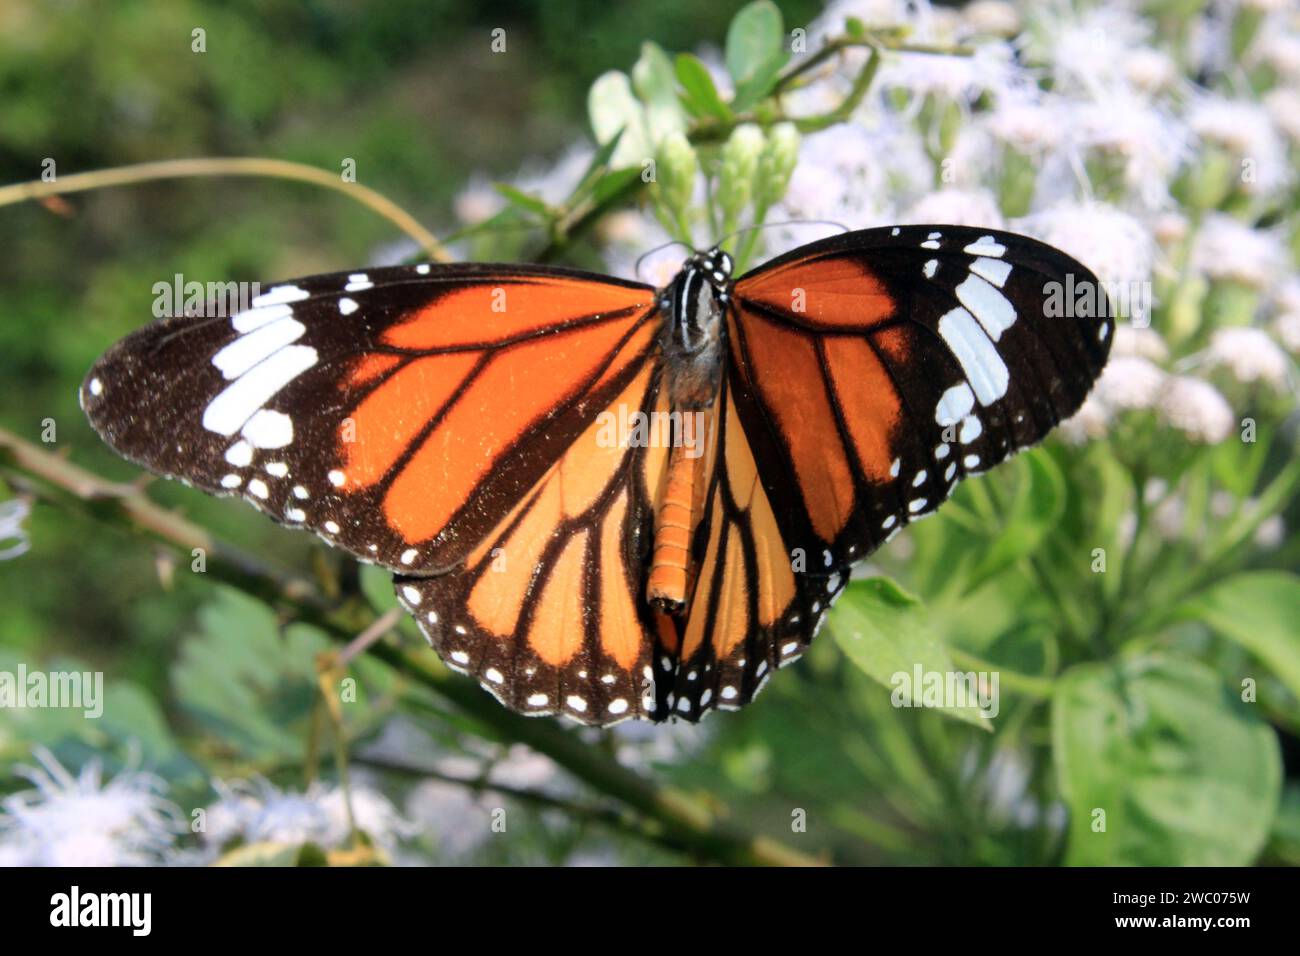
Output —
<point x="1157" y="156"/>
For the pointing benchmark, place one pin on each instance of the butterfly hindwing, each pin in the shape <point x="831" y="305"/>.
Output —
<point x="399" y="413"/>
<point x="548" y="611"/>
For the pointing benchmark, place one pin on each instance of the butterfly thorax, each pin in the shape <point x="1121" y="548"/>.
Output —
<point x="693" y="307"/>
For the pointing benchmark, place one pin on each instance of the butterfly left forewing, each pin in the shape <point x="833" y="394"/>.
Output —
<point x="399" y="413"/>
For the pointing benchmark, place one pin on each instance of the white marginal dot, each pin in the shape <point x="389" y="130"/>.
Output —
<point x="970" y="461"/>
<point x="300" y="493"/>
<point x="985" y="246"/>
<point x="240" y="454"/>
<point x="889" y="522"/>
<point x="984" y="368"/>
<point x="231" y="481"/>
<point x="227" y="413"/>
<point x="761" y="670"/>
<point x="728" y="693"/>
<point x="277" y="469"/>
<point x="358" y="282"/>
<point x="494" y="675"/>
<point x="950" y="471"/>
<point x="422" y="268"/>
<point x="433" y="619"/>
<point x="895" y="467"/>
<point x="336" y="477"/>
<point x="347" y="306"/>
<point x="827" y="558"/>
<point x="790" y="648"/>
<point x="931" y="267"/>
<point x="295" y="514"/>
<point x="408" y="555"/>
<point x="96" y="387"/>
<point x="995" y="270"/>
<point x="332" y="527"/>
<point x="894" y="231"/>
<point x="919" y="480"/>
<point x="971" y="429"/>
<point x="411" y="594"/>
<point x="258" y="487"/>
<point x="608" y="679"/>
<point x="941" y="451"/>
<point x="1101" y="334"/>
<point x="706" y="696"/>
<point x="618" y="706"/>
<point x="648" y="673"/>
<point x="666" y="662"/>
<point x="576" y="702"/>
<point x="684" y="705"/>
<point x="460" y="657"/>
<point x="915" y="505"/>
<point x="537" y="700"/>
<point x="460" y="629"/>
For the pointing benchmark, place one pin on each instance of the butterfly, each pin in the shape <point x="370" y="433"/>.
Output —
<point x="606" y="500"/>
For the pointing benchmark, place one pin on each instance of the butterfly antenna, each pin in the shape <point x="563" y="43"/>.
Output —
<point x="787" y="222"/>
<point x="650" y="252"/>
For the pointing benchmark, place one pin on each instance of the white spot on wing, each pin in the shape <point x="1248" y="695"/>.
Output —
<point x="347" y="306"/>
<point x="268" y="429"/>
<point x="989" y="305"/>
<point x="256" y="346"/>
<point x="280" y="295"/>
<point x="358" y="282"/>
<point x="995" y="270"/>
<point x="984" y="368"/>
<point x="954" y="405"/>
<point x="240" y="454"/>
<point x="227" y="413"/>
<point x="985" y="246"/>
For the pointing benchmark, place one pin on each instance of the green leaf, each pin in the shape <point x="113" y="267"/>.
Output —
<point x="1184" y="772"/>
<point x="886" y="632"/>
<point x="1033" y="512"/>
<point x="755" y="52"/>
<point x="614" y="109"/>
<point x="523" y="200"/>
<point x="699" y="93"/>
<point x="1260" y="610"/>
<point x="656" y="85"/>
<point x="246" y="683"/>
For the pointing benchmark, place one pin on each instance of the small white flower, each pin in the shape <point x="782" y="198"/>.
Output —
<point x="1245" y="130"/>
<point x="1150" y="70"/>
<point x="1250" y="355"/>
<point x="1197" y="409"/>
<point x="1074" y="43"/>
<point x="1283" y="105"/>
<point x="990" y="18"/>
<point x="1130" y="383"/>
<point x="1271" y="533"/>
<point x="1029" y="123"/>
<point x="1089" y="423"/>
<point x="1113" y="244"/>
<point x="1287" y="329"/>
<point x="1279" y="48"/>
<point x="1226" y="248"/>
<point x="957" y="207"/>
<point x="1143" y="343"/>
<point x="87" y="821"/>
<point x="477" y="202"/>
<point x="1145" y="139"/>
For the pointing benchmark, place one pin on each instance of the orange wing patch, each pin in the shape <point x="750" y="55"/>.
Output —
<point x="512" y="306"/>
<point x="786" y="372"/>
<point x="834" y="293"/>
<point x="515" y="390"/>
<point x="871" y="404"/>
<point x="557" y="627"/>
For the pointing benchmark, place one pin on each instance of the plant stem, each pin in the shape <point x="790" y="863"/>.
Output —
<point x="229" y="166"/>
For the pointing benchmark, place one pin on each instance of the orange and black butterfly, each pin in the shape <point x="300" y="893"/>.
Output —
<point x="601" y="499"/>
